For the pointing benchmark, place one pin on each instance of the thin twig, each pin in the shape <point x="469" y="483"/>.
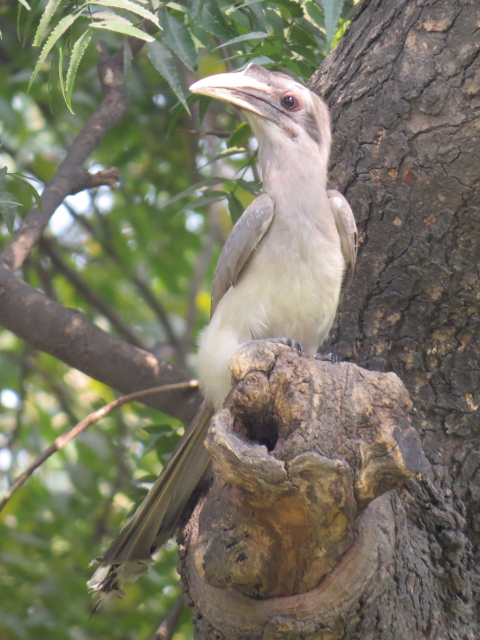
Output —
<point x="166" y="630"/>
<point x="199" y="270"/>
<point x="123" y="477"/>
<point x="62" y="440"/>
<point x="196" y="132"/>
<point x="71" y="176"/>
<point x="46" y="247"/>
<point x="58" y="390"/>
<point x="103" y="178"/>
<point x="142" y="287"/>
<point x="43" y="275"/>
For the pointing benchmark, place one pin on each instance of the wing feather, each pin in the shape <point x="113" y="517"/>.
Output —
<point x="347" y="230"/>
<point x="244" y="238"/>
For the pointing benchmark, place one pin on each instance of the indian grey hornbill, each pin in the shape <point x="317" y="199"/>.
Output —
<point x="279" y="276"/>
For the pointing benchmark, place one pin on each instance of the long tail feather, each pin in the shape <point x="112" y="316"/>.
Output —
<point x="156" y="519"/>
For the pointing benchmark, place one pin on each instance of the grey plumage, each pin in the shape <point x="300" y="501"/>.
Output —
<point x="240" y="244"/>
<point x="347" y="230"/>
<point x="156" y="519"/>
<point x="279" y="275"/>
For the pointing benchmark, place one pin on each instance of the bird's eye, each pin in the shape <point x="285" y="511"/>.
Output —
<point x="291" y="101"/>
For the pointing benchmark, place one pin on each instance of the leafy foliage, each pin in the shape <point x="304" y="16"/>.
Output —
<point x="147" y="249"/>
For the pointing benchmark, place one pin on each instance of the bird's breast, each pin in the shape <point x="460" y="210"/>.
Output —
<point x="290" y="287"/>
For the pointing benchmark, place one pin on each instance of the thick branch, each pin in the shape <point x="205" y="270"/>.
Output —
<point x="88" y="294"/>
<point x="72" y="338"/>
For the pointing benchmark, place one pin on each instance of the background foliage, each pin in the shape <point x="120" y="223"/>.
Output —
<point x="138" y="261"/>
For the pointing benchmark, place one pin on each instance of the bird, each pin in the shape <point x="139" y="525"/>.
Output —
<point x="279" y="277"/>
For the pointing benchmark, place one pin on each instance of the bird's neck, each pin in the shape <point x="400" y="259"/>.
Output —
<point x="295" y="177"/>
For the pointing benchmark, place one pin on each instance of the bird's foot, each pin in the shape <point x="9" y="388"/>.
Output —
<point x="289" y="342"/>
<point x="326" y="357"/>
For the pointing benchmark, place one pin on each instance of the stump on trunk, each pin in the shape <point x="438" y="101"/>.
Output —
<point x="291" y="532"/>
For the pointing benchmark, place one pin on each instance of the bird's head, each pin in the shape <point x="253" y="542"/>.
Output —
<point x="282" y="113"/>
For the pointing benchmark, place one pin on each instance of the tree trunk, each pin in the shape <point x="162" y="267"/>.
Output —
<point x="315" y="542"/>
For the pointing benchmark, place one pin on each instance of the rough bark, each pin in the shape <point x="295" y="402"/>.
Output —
<point x="404" y="90"/>
<point x="288" y="536"/>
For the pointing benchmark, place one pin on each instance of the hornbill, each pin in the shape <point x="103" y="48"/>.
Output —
<point x="279" y="276"/>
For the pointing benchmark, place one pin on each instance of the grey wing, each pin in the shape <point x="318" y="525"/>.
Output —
<point x="347" y="230"/>
<point x="242" y="241"/>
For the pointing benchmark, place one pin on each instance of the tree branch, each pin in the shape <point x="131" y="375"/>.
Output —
<point x="166" y="630"/>
<point x="71" y="337"/>
<point x="216" y="134"/>
<point x="88" y="294"/>
<point x="142" y="287"/>
<point x="104" y="178"/>
<point x="93" y="417"/>
<point x="71" y="176"/>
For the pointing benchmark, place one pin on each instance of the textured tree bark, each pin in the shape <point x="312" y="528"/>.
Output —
<point x="404" y="90"/>
<point x="288" y="533"/>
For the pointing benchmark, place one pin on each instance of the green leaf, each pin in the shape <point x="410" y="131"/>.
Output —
<point x="253" y="187"/>
<point x="294" y="8"/>
<point x="25" y="23"/>
<point x="158" y="428"/>
<point x="204" y="102"/>
<point x="203" y="201"/>
<point x="8" y="209"/>
<point x="175" y="6"/>
<point x="120" y="25"/>
<point x="21" y="178"/>
<point x="255" y="12"/>
<point x="52" y="6"/>
<point x="224" y="154"/>
<point x="127" y="59"/>
<point x="212" y="20"/>
<point x="300" y="35"/>
<point x="3" y="174"/>
<point x="235" y="207"/>
<point x="127" y="5"/>
<point x="259" y="60"/>
<point x="59" y="48"/>
<point x="178" y="38"/>
<point x="162" y="60"/>
<point x="248" y="4"/>
<point x="56" y="34"/>
<point x="19" y="22"/>
<point x="240" y="136"/>
<point x="199" y="186"/>
<point x="255" y="35"/>
<point x="176" y="112"/>
<point x="77" y="53"/>
<point x="314" y="14"/>
<point x="25" y="4"/>
<point x="332" y="10"/>
<point x="149" y="478"/>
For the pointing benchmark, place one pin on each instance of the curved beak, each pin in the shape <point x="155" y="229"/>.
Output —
<point x="248" y="89"/>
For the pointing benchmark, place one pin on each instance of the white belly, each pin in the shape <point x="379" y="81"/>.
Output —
<point x="291" y="292"/>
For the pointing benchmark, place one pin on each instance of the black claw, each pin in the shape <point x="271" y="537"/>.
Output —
<point x="327" y="357"/>
<point x="289" y="342"/>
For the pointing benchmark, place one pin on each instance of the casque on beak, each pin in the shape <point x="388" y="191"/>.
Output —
<point x="248" y="89"/>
